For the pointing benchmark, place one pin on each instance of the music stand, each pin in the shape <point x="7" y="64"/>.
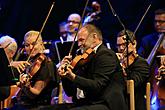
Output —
<point x="59" y="50"/>
<point x="5" y="71"/>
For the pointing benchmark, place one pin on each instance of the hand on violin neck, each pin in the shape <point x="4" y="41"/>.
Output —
<point x="69" y="74"/>
<point x="65" y="70"/>
<point x="19" y="65"/>
<point x="66" y="60"/>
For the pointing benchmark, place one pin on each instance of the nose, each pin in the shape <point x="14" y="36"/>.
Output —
<point x="30" y="46"/>
<point x="157" y="23"/>
<point x="70" y="23"/>
<point x="79" y="44"/>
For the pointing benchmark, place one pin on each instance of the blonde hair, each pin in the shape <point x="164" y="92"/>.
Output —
<point x="35" y="33"/>
<point x="9" y="43"/>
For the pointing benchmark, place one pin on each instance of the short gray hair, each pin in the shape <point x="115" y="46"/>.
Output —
<point x="8" y="43"/>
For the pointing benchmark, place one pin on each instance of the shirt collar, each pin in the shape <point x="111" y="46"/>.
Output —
<point x="95" y="49"/>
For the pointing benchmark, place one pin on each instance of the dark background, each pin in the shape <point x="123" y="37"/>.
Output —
<point x="19" y="16"/>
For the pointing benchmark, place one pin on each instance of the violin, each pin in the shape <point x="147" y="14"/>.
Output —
<point x="35" y="65"/>
<point x="80" y="60"/>
<point x="32" y="69"/>
<point x="161" y="69"/>
<point x="131" y="57"/>
<point x="127" y="57"/>
<point x="161" y="49"/>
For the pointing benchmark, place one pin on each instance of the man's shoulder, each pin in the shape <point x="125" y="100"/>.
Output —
<point x="150" y="36"/>
<point x="105" y="49"/>
<point x="141" y="59"/>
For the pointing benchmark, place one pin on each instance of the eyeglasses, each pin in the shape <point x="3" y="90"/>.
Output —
<point x="72" y="21"/>
<point x="121" y="45"/>
<point x="159" y="21"/>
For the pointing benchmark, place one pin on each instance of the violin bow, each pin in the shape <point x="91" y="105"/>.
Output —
<point x="79" y="25"/>
<point x="50" y="10"/>
<point x="122" y="24"/>
<point x="145" y="13"/>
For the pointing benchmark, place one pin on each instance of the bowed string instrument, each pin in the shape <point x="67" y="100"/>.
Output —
<point x="128" y="57"/>
<point x="30" y="70"/>
<point x="90" y="17"/>
<point x="36" y="64"/>
<point x="80" y="60"/>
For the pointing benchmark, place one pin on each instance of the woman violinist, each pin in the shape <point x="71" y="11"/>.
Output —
<point x="37" y="81"/>
<point x="135" y="67"/>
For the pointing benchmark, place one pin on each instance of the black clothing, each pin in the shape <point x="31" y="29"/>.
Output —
<point x="46" y="73"/>
<point x="147" y="44"/>
<point x="139" y="72"/>
<point x="101" y="81"/>
<point x="4" y="92"/>
<point x="58" y="50"/>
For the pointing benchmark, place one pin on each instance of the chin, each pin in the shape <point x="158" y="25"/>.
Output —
<point x="32" y="55"/>
<point x="160" y="30"/>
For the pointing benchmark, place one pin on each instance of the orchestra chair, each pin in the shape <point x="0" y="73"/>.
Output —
<point x="1" y="105"/>
<point x="148" y="100"/>
<point x="130" y="91"/>
<point x="13" y="92"/>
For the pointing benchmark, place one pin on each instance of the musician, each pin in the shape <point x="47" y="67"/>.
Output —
<point x="72" y="25"/>
<point x="63" y="31"/>
<point x="135" y="68"/>
<point x="35" y="89"/>
<point x="97" y="84"/>
<point x="147" y="45"/>
<point x="9" y="45"/>
<point x="149" y="41"/>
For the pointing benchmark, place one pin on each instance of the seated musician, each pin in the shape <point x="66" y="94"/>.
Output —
<point x="9" y="45"/>
<point x="98" y="83"/>
<point x="135" y="68"/>
<point x="38" y="79"/>
<point x="152" y="45"/>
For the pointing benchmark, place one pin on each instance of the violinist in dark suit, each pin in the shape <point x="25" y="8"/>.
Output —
<point x="97" y="83"/>
<point x="38" y="80"/>
<point x="152" y="45"/>
<point x="135" y="68"/>
<point x="148" y="42"/>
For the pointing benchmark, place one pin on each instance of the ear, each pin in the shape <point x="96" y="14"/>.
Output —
<point x="135" y="43"/>
<point x="94" y="35"/>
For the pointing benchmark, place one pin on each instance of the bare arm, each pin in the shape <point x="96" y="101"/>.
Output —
<point x="38" y="87"/>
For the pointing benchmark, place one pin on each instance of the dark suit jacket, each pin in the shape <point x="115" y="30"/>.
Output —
<point x="139" y="72"/>
<point x="101" y="81"/>
<point x="147" y="44"/>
